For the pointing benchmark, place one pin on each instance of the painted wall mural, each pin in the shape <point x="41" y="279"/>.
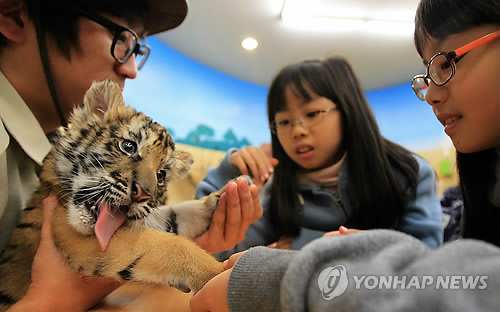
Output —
<point x="204" y="107"/>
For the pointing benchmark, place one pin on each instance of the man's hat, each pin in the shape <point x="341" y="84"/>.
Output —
<point x="164" y="15"/>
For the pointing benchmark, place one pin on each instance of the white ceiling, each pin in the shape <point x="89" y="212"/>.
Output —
<point x="213" y="31"/>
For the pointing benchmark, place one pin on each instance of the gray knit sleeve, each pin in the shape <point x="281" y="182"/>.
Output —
<point x="378" y="270"/>
<point x="391" y="271"/>
<point x="255" y="282"/>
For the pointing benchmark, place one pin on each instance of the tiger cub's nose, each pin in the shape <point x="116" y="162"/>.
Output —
<point x="138" y="194"/>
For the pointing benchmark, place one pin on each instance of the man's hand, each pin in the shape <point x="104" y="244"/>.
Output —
<point x="238" y="207"/>
<point x="55" y="285"/>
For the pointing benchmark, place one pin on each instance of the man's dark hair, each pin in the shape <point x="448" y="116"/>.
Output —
<point x="61" y="24"/>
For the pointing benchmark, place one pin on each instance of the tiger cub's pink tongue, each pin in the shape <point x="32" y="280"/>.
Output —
<point x="107" y="224"/>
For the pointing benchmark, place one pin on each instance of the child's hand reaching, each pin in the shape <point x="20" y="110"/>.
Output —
<point x="256" y="162"/>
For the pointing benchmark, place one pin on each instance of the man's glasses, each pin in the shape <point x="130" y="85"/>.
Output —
<point x="309" y="120"/>
<point x="442" y="66"/>
<point x="125" y="40"/>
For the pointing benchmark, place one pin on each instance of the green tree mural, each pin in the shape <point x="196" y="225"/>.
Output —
<point x="201" y="133"/>
<point x="203" y="136"/>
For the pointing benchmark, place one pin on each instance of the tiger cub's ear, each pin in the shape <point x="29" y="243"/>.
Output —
<point x="102" y="96"/>
<point x="181" y="163"/>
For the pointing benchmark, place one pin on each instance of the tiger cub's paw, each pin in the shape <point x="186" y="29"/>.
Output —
<point x="193" y="218"/>
<point x="212" y="200"/>
<point x="223" y="190"/>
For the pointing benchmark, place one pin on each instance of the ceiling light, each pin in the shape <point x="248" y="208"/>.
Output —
<point x="249" y="43"/>
<point x="335" y="16"/>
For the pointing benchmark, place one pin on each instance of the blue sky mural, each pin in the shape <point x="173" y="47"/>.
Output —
<point x="205" y="107"/>
<point x="182" y="94"/>
<point x="404" y="119"/>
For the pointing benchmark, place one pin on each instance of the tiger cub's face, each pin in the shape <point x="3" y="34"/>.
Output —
<point x="112" y="163"/>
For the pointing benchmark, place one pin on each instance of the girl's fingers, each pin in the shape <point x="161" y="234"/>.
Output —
<point x="344" y="231"/>
<point x="238" y="161"/>
<point x="333" y="233"/>
<point x="253" y="160"/>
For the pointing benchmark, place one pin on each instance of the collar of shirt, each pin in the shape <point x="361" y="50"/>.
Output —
<point x="19" y="121"/>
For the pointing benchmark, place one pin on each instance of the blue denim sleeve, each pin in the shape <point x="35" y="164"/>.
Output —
<point x="423" y="218"/>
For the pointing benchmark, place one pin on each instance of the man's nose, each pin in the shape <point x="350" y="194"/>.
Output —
<point x="128" y="69"/>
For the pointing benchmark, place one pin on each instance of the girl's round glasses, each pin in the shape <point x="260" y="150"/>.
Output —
<point x="309" y="120"/>
<point x="442" y="66"/>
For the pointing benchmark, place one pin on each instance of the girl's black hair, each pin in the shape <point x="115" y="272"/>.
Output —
<point x="61" y="23"/>
<point x="439" y="19"/>
<point x="478" y="177"/>
<point x="377" y="196"/>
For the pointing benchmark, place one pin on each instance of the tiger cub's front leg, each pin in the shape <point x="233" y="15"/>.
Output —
<point x="137" y="254"/>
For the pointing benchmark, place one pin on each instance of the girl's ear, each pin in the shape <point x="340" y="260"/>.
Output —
<point x="12" y="20"/>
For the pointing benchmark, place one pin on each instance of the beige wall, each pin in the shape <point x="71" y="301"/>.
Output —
<point x="203" y="159"/>
<point x="434" y="157"/>
<point x="206" y="158"/>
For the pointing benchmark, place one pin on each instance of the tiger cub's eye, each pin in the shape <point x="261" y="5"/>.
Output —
<point x="161" y="177"/>
<point x="128" y="147"/>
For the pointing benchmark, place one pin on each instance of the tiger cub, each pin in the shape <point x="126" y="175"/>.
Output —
<point x="110" y="169"/>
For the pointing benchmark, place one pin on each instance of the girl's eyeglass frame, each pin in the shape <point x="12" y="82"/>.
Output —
<point x="420" y="83"/>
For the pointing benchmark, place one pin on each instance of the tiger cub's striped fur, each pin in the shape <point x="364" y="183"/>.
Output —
<point x="110" y="169"/>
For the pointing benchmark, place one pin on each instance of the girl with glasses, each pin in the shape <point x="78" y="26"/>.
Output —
<point x="466" y="100"/>
<point x="334" y="168"/>
<point x="463" y="89"/>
